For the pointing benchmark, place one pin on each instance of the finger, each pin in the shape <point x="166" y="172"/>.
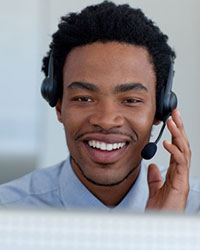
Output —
<point x="176" y="116"/>
<point x="154" y="179"/>
<point x="178" y="156"/>
<point x="177" y="137"/>
<point x="178" y="171"/>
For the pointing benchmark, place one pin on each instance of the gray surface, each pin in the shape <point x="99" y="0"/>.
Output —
<point x="15" y="166"/>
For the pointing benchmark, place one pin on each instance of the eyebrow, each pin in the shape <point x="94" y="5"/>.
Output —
<point x="130" y="86"/>
<point x="83" y="85"/>
<point x="118" y="89"/>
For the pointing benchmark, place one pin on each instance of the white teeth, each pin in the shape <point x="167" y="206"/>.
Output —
<point x="103" y="146"/>
<point x="106" y="146"/>
<point x="109" y="147"/>
<point x="98" y="144"/>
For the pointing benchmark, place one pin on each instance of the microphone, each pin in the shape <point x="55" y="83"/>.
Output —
<point x="150" y="149"/>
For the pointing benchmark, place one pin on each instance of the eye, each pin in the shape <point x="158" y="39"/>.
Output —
<point x="131" y="100"/>
<point x="82" y="99"/>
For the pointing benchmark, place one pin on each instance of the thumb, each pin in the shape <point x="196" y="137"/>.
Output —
<point x="154" y="179"/>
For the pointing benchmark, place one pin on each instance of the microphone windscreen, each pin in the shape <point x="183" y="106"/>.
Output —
<point x="149" y="151"/>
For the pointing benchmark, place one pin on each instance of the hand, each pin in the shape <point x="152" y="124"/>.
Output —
<point x="172" y="195"/>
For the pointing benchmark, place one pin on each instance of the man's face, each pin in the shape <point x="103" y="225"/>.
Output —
<point x="107" y="109"/>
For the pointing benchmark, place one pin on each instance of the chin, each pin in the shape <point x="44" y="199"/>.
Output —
<point x="106" y="175"/>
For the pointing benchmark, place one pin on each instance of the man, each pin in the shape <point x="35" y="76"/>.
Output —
<point x="107" y="67"/>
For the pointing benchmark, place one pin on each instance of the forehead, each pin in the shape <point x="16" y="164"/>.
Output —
<point x="112" y="63"/>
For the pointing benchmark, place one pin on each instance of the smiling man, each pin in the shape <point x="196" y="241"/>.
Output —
<point x="107" y="69"/>
<point x="107" y="108"/>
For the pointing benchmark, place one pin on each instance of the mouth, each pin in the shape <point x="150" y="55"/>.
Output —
<point x="103" y="146"/>
<point x="104" y="152"/>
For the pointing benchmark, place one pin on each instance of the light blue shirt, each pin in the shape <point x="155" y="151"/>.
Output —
<point x="58" y="186"/>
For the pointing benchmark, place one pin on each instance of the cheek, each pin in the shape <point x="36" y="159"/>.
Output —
<point x="142" y="122"/>
<point x="73" y="121"/>
<point x="145" y="121"/>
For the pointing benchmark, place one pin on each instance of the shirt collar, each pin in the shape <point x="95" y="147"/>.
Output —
<point x="75" y="195"/>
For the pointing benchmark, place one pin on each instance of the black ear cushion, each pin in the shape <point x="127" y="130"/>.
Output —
<point x="49" y="90"/>
<point x="166" y="104"/>
<point x="172" y="103"/>
<point x="49" y="87"/>
<point x="159" y="106"/>
<point x="45" y="89"/>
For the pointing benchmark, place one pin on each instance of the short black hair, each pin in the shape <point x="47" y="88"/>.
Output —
<point x="107" y="22"/>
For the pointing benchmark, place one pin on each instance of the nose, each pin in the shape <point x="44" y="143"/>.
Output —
<point x="107" y="115"/>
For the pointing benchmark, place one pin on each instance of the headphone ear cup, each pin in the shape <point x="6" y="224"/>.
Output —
<point x="172" y="103"/>
<point x="160" y="106"/>
<point x="166" y="106"/>
<point x="45" y="89"/>
<point x="49" y="91"/>
<point x="49" y="87"/>
<point x="167" y="99"/>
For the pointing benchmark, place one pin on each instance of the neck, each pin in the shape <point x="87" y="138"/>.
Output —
<point x="109" y="195"/>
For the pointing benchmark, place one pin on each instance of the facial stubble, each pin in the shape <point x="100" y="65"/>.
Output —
<point x="99" y="183"/>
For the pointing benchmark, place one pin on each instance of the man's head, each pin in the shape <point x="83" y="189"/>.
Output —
<point x="110" y="63"/>
<point x="109" y="22"/>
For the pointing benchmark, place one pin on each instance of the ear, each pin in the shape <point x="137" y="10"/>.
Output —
<point x="58" y="110"/>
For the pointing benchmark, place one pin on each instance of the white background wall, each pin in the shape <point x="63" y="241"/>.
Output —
<point x="21" y="28"/>
<point x="30" y="135"/>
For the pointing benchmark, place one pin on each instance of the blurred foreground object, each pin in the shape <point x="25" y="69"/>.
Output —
<point x="53" y="229"/>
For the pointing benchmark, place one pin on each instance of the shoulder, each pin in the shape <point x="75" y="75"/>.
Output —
<point x="32" y="187"/>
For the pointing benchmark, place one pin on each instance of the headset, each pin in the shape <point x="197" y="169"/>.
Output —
<point x="49" y="87"/>
<point x="166" y="103"/>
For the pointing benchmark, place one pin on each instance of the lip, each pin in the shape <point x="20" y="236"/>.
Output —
<point x="103" y="156"/>
<point x="110" y="138"/>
